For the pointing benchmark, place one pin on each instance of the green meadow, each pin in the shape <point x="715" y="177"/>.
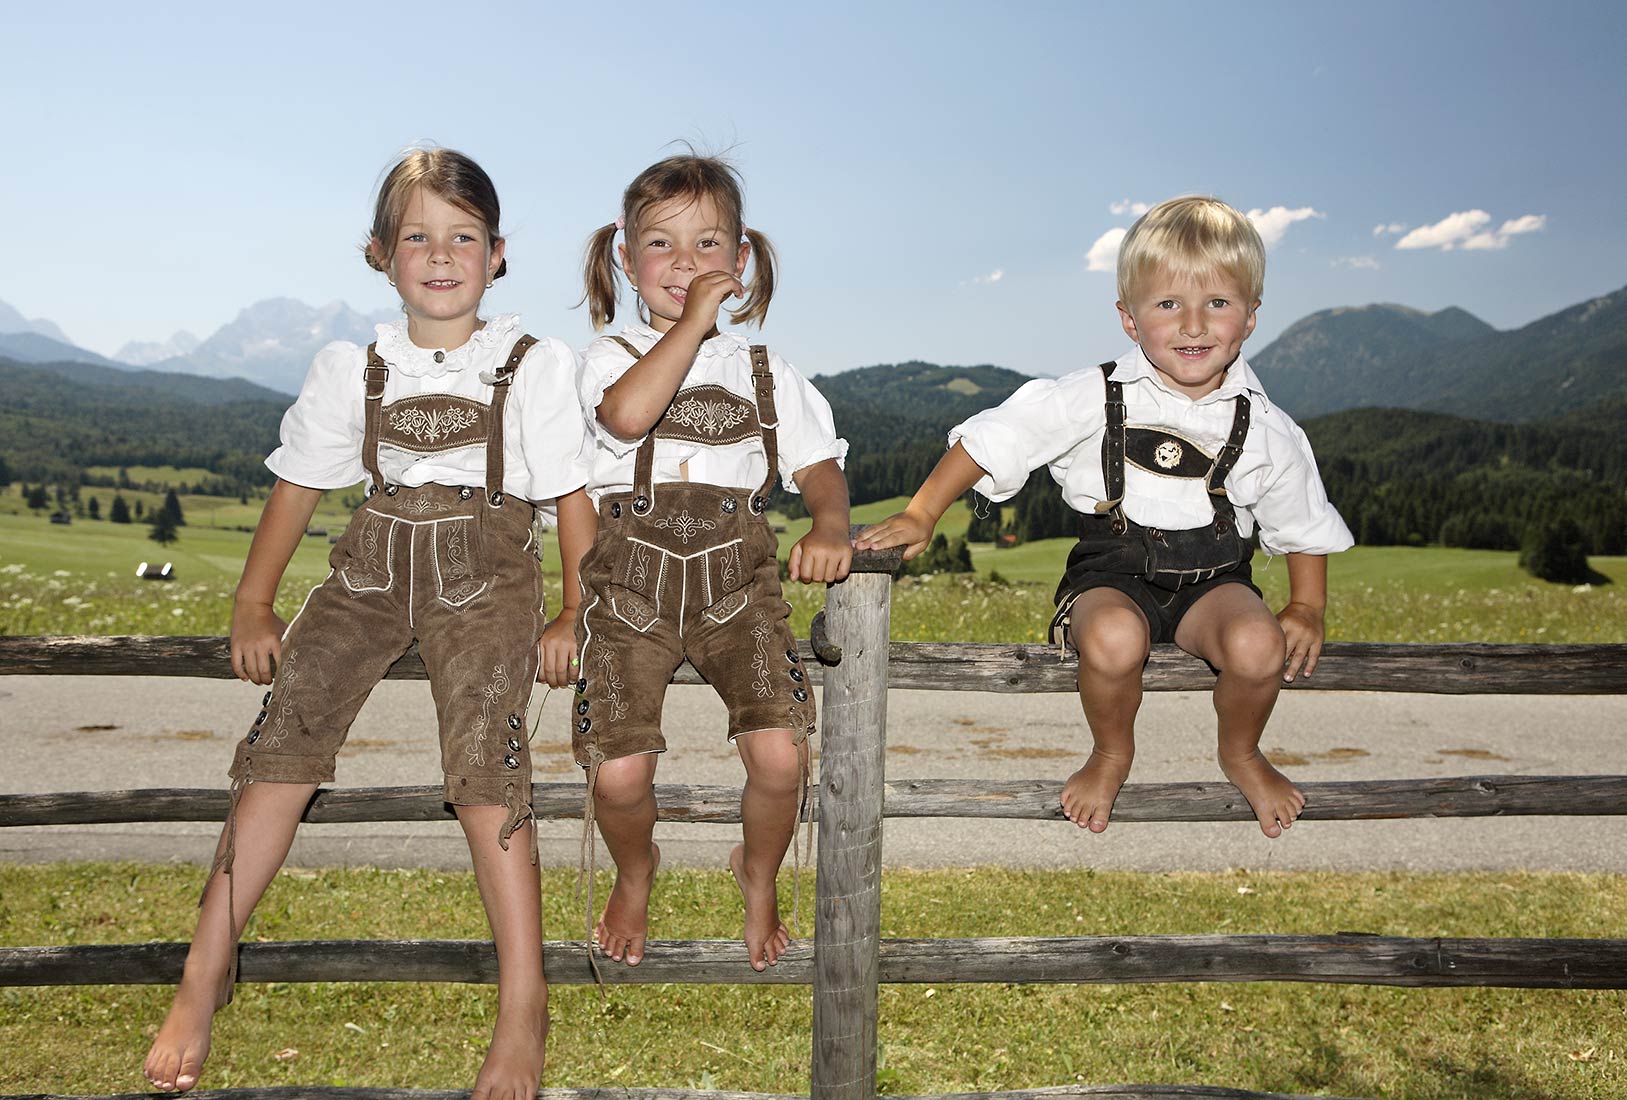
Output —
<point x="80" y="579"/>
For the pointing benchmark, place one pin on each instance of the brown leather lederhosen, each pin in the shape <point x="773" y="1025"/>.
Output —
<point x="451" y="567"/>
<point x="1111" y="542"/>
<point x="687" y="570"/>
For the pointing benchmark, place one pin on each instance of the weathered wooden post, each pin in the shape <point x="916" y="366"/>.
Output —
<point x="853" y="749"/>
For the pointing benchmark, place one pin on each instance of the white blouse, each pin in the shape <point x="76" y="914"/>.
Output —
<point x="547" y="451"/>
<point x="806" y="432"/>
<point x="1060" y="423"/>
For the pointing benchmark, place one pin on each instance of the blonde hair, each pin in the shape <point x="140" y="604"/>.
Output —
<point x="689" y="176"/>
<point x="1192" y="237"/>
<point x="445" y="173"/>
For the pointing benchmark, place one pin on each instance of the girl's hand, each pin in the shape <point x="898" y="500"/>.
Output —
<point x="256" y="642"/>
<point x="705" y="297"/>
<point x="905" y="529"/>
<point x="1302" y="625"/>
<point x="820" y="557"/>
<point x="556" y="651"/>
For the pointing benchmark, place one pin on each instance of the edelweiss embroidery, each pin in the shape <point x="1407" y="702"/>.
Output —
<point x="491" y="695"/>
<point x="686" y="526"/>
<point x="712" y="417"/>
<point x="1168" y="454"/>
<point x="432" y="425"/>
<point x="423" y="506"/>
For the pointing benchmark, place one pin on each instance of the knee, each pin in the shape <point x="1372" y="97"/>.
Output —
<point x="1112" y="641"/>
<point x="773" y="762"/>
<point x="623" y="784"/>
<point x="1253" y="648"/>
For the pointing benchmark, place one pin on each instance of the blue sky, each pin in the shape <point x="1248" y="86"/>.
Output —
<point x="935" y="176"/>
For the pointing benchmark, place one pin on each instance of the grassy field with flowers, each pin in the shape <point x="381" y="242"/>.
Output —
<point x="80" y="579"/>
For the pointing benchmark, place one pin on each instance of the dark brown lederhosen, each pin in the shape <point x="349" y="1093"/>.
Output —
<point x="1112" y="543"/>
<point x="686" y="569"/>
<point x="452" y="568"/>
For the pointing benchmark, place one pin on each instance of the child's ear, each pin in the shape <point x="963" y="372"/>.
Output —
<point x="376" y="257"/>
<point x="1253" y="312"/>
<point x="494" y="263"/>
<point x="626" y="265"/>
<point x="1129" y="322"/>
<point x="741" y="255"/>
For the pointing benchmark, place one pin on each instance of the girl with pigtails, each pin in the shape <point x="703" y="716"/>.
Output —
<point x="692" y="428"/>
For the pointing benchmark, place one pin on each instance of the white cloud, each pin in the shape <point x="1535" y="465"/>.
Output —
<point x="1104" y="254"/>
<point x="986" y="280"/>
<point x="1467" y="229"/>
<point x="1365" y="263"/>
<point x="1273" y="223"/>
<point x="1391" y="229"/>
<point x="1125" y="206"/>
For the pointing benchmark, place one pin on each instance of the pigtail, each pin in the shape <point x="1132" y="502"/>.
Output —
<point x="760" y="290"/>
<point x="599" y="276"/>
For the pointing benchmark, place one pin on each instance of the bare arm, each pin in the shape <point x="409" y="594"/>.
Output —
<point x="824" y="554"/>
<point x="256" y="642"/>
<point x="557" y="648"/>
<point x="1302" y="620"/>
<point x="635" y="401"/>
<point x="912" y="528"/>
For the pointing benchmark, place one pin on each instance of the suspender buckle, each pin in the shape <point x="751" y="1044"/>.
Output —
<point x="375" y="374"/>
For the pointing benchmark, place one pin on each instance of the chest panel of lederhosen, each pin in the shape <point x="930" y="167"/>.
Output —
<point x="433" y="423"/>
<point x="709" y="415"/>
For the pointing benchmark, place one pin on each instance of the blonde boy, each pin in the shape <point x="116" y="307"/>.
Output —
<point x="1173" y="456"/>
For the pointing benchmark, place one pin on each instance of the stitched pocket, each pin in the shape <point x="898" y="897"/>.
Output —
<point x="460" y="576"/>
<point x="631" y="607"/>
<point x="726" y="579"/>
<point x="369" y="562"/>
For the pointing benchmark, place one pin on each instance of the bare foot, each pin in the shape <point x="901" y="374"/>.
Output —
<point x="625" y="923"/>
<point x="513" y="1066"/>
<point x="1088" y="795"/>
<point x="176" y="1059"/>
<point x="766" y="937"/>
<point x="1276" y="802"/>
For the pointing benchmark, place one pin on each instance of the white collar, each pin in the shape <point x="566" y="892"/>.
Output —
<point x="398" y="350"/>
<point x="724" y="343"/>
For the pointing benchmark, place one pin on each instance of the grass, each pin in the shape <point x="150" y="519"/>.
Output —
<point x="1347" y="1040"/>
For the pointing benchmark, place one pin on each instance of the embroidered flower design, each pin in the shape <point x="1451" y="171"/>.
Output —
<point x="433" y="425"/>
<point x="419" y="506"/>
<point x="712" y="417"/>
<point x="491" y="695"/>
<point x="1168" y="454"/>
<point x="638" y="566"/>
<point x="287" y="679"/>
<point x="606" y="662"/>
<point x="761" y="634"/>
<point x="686" y="526"/>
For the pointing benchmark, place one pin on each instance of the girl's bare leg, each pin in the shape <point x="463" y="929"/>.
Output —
<point x="1113" y="640"/>
<point x="267" y="815"/>
<point x="768" y="820"/>
<point x="512" y="894"/>
<point x="1232" y="629"/>
<point x="624" y="806"/>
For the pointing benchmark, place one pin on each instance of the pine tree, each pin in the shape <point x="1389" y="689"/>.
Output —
<point x="94" y="508"/>
<point x="119" y="512"/>
<point x="172" y="509"/>
<point x="163" y="532"/>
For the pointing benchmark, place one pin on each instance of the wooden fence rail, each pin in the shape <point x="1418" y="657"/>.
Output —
<point x="1013" y="799"/>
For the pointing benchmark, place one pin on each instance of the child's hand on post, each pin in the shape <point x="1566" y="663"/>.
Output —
<point x="907" y="529"/>
<point x="556" y="650"/>
<point x="822" y="556"/>
<point x="705" y="297"/>
<point x="1303" y="627"/>
<point x="256" y="642"/>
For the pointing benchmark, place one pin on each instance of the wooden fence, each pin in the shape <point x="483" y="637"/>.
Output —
<point x="848" y="959"/>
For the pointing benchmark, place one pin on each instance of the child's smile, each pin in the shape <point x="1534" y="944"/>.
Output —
<point x="441" y="266"/>
<point x="673" y="242"/>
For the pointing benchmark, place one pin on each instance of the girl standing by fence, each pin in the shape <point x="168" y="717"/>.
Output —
<point x="462" y="426"/>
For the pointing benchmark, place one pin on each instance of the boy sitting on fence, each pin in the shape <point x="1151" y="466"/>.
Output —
<point x="1173" y="456"/>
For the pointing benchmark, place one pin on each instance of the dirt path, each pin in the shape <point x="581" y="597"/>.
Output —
<point x="60" y="734"/>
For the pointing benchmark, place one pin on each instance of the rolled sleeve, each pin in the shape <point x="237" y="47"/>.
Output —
<point x="1037" y="425"/>
<point x="807" y="431"/>
<point x="321" y="434"/>
<point x="1293" y="512"/>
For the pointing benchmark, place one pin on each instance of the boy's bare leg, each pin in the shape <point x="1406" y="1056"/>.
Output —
<point x="512" y="894"/>
<point x="267" y="816"/>
<point x="1232" y="629"/>
<point x="1110" y="632"/>
<point x="768" y="821"/>
<point x="624" y="806"/>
